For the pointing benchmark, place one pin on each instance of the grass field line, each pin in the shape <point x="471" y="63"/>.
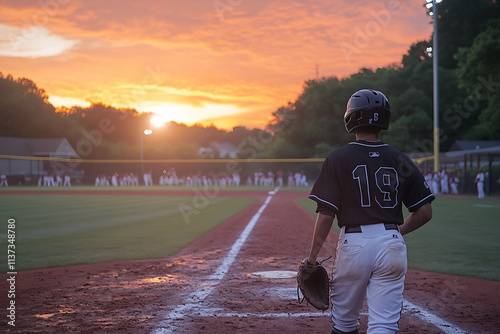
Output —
<point x="193" y="301"/>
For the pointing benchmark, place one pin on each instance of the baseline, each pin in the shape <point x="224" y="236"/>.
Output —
<point x="167" y="325"/>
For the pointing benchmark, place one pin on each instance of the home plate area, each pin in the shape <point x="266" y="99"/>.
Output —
<point x="255" y="302"/>
<point x="265" y="301"/>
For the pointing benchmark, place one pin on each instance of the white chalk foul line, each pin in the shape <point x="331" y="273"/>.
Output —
<point x="445" y="326"/>
<point x="192" y="302"/>
<point x="231" y="256"/>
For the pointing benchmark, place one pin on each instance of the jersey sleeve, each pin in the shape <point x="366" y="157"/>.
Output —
<point x="420" y="192"/>
<point x="326" y="190"/>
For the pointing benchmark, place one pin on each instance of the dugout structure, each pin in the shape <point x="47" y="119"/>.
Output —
<point x="466" y="157"/>
<point x="24" y="160"/>
<point x="463" y="160"/>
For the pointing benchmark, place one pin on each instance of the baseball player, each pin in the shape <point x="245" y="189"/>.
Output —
<point x="364" y="185"/>
<point x="279" y="178"/>
<point x="454" y="184"/>
<point x="444" y="182"/>
<point x="3" y="180"/>
<point x="67" y="180"/>
<point x="479" y="180"/>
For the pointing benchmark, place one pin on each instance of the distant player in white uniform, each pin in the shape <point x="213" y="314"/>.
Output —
<point x="279" y="178"/>
<point x="46" y="181"/>
<point x="236" y="179"/>
<point x="296" y="179"/>
<point x="479" y="180"/>
<point x="435" y="183"/>
<point x="454" y="184"/>
<point x="148" y="178"/>
<point x="444" y="182"/>
<point x="290" y="182"/>
<point x="3" y="181"/>
<point x="365" y="184"/>
<point x="303" y="180"/>
<point x="59" y="181"/>
<point x="67" y="180"/>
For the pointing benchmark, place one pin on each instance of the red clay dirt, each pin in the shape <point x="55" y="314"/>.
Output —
<point x="148" y="295"/>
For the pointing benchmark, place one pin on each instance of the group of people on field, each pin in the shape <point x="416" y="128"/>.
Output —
<point x="199" y="179"/>
<point x="52" y="180"/>
<point x="272" y="178"/>
<point x="441" y="183"/>
<point x="169" y="177"/>
<point x="123" y="180"/>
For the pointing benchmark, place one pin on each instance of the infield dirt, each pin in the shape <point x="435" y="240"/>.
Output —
<point x="137" y="296"/>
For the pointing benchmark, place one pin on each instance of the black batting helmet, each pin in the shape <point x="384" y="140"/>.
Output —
<point x="367" y="107"/>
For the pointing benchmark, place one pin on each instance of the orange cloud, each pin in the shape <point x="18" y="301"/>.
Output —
<point x="248" y="57"/>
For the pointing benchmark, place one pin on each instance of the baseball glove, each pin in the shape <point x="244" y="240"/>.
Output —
<point x="313" y="282"/>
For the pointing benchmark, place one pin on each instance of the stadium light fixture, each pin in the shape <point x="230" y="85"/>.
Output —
<point x="147" y="132"/>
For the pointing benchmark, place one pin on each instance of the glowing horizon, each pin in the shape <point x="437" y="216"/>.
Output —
<point x="200" y="62"/>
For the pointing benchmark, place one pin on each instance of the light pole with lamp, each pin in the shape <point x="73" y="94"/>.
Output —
<point x="147" y="132"/>
<point x="432" y="4"/>
<point x="156" y="121"/>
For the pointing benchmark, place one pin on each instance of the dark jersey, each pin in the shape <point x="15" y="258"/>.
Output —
<point x="367" y="183"/>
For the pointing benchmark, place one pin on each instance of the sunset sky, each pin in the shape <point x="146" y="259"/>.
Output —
<point x="220" y="62"/>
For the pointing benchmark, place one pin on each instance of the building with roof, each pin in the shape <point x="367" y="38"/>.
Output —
<point x="25" y="159"/>
<point x="463" y="145"/>
<point x="463" y="160"/>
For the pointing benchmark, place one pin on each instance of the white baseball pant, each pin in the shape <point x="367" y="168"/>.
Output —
<point x="369" y="264"/>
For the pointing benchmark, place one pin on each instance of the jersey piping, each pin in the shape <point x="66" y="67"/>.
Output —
<point x="422" y="200"/>
<point x="369" y="145"/>
<point x="323" y="201"/>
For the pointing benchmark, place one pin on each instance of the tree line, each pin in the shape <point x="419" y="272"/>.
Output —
<point x="312" y="125"/>
<point x="115" y="132"/>
<point x="469" y="91"/>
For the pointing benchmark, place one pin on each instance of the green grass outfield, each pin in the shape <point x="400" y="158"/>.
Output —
<point x="60" y="230"/>
<point x="463" y="238"/>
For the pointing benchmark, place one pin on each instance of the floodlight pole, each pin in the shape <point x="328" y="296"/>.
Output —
<point x="145" y="133"/>
<point x="142" y="154"/>
<point x="435" y="85"/>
